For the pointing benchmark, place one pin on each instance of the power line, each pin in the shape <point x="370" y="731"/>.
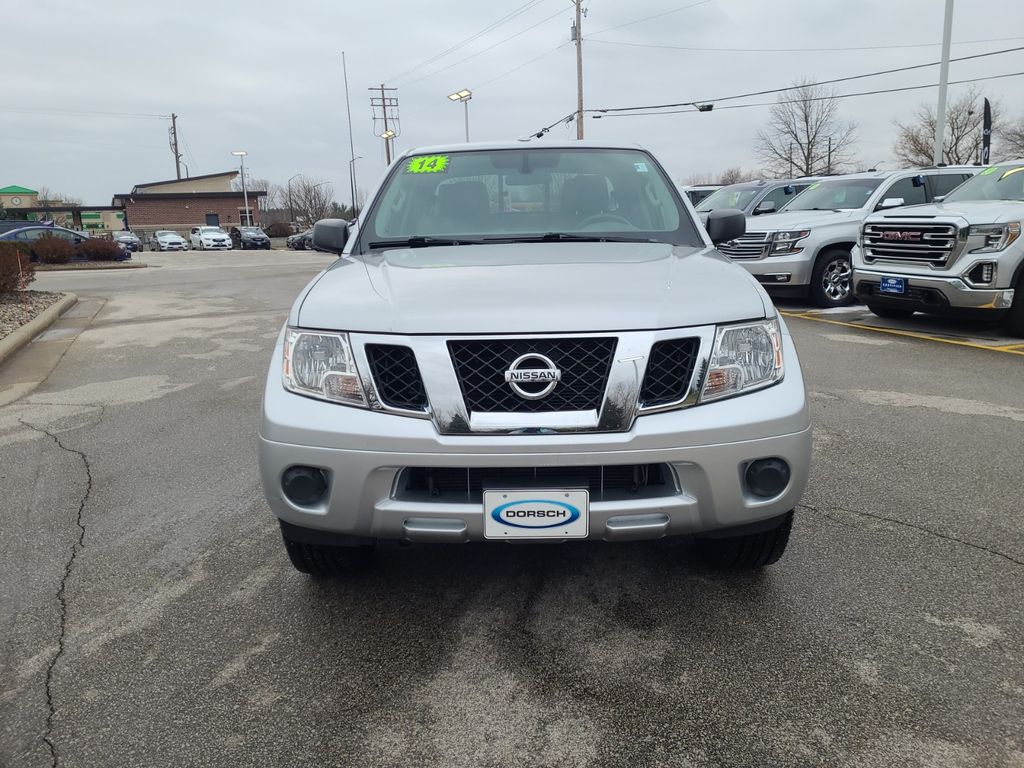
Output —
<point x="82" y="112"/>
<point x="525" y="63"/>
<point x="816" y="98"/>
<point x="486" y="50"/>
<point x="489" y="28"/>
<point x="800" y="50"/>
<point x="648" y="18"/>
<point x="793" y="87"/>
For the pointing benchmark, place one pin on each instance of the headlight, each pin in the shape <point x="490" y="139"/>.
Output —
<point x="997" y="236"/>
<point x="321" y="365"/>
<point x="785" y="242"/>
<point x="745" y="357"/>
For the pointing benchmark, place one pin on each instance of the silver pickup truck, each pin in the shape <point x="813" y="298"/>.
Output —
<point x="805" y="250"/>
<point x="585" y="367"/>
<point x="964" y="253"/>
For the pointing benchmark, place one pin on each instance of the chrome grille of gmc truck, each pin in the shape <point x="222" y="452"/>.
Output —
<point x="928" y="243"/>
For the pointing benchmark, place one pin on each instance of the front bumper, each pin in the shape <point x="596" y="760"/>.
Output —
<point x="707" y="447"/>
<point x="930" y="294"/>
<point x="781" y="271"/>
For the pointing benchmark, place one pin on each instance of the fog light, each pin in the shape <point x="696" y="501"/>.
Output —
<point x="304" y="486"/>
<point x="982" y="274"/>
<point x="767" y="477"/>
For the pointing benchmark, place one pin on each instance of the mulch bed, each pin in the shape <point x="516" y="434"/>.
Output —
<point x="89" y="265"/>
<point x="20" y="307"/>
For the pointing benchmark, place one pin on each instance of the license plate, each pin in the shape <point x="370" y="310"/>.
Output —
<point x="897" y="285"/>
<point x="536" y="514"/>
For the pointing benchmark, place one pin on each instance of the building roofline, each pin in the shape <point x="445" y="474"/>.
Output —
<point x="167" y="195"/>
<point x="190" y="178"/>
<point x="15" y="189"/>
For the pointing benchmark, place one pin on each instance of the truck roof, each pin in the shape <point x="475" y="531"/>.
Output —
<point x="440" y="149"/>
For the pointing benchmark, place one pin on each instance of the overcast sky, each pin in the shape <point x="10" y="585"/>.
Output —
<point x="268" y="79"/>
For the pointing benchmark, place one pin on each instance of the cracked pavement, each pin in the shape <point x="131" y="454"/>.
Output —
<point x="149" y="615"/>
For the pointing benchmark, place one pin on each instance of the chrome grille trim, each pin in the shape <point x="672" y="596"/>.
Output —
<point x="932" y="243"/>
<point x="751" y="245"/>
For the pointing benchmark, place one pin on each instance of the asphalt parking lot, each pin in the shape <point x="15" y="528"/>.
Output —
<point x="150" y="616"/>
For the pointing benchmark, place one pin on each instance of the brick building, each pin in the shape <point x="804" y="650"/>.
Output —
<point x="180" y="204"/>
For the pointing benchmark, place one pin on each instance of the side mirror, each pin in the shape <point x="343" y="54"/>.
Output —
<point x="726" y="225"/>
<point x="891" y="202"/>
<point x="330" y="235"/>
<point x="765" y="206"/>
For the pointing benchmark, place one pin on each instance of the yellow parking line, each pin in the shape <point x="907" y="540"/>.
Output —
<point x="1011" y="349"/>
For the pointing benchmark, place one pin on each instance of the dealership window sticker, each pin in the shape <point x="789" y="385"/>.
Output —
<point x="428" y="164"/>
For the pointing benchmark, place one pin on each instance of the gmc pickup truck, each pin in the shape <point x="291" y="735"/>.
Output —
<point x="589" y="367"/>
<point x="962" y="254"/>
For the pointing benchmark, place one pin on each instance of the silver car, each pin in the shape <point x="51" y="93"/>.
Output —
<point x="589" y="368"/>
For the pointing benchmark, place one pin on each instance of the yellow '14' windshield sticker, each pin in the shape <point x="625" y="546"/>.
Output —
<point x="427" y="164"/>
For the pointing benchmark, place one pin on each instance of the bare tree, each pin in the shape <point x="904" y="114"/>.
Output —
<point x="46" y="196"/>
<point x="961" y="143"/>
<point x="735" y="175"/>
<point x="700" y="178"/>
<point x="1011" y="141"/>
<point x="313" y="199"/>
<point x="805" y="134"/>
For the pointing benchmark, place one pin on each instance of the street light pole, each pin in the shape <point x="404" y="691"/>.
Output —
<point x="245" y="193"/>
<point x="464" y="96"/>
<point x="291" y="207"/>
<point x="940" y="112"/>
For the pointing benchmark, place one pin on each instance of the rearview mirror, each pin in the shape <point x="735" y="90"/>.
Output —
<point x="726" y="225"/>
<point x="918" y="181"/>
<point x="765" y="206"/>
<point x="330" y="235"/>
<point x="891" y="202"/>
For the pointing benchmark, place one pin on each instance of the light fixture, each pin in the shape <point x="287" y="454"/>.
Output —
<point x="704" y="107"/>
<point x="240" y="153"/>
<point x="388" y="134"/>
<point x="464" y="95"/>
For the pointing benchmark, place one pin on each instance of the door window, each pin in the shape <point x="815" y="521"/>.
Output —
<point x="905" y="188"/>
<point x="779" y="197"/>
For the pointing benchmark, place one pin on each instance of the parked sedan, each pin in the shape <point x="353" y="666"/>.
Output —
<point x="246" y="238"/>
<point x="300" y="240"/>
<point x="166" y="240"/>
<point x="129" y="240"/>
<point x="29" y="235"/>
<point x="210" y="238"/>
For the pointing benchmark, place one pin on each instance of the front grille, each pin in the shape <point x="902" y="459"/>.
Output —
<point x="752" y="245"/>
<point x="481" y="365"/>
<point x="932" y="244"/>
<point x="397" y="376"/>
<point x="669" y="371"/>
<point x="467" y="484"/>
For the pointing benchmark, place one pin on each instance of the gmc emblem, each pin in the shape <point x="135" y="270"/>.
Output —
<point x="907" y="237"/>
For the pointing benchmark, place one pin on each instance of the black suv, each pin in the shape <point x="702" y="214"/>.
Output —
<point x="246" y="238"/>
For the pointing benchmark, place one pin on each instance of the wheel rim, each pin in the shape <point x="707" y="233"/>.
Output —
<point x="835" y="281"/>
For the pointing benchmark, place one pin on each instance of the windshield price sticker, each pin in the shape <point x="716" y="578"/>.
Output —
<point x="640" y="167"/>
<point x="1011" y="172"/>
<point x="815" y="185"/>
<point x="427" y="164"/>
<point x="987" y="171"/>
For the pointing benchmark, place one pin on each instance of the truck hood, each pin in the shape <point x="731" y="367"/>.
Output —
<point x="971" y="211"/>
<point x="530" y="288"/>
<point x="791" y="220"/>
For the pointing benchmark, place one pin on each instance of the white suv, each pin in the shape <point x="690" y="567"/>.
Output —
<point x="805" y="249"/>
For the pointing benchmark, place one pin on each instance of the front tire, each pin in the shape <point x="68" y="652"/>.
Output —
<point x="890" y="313"/>
<point x="832" y="279"/>
<point x="1015" y="318"/>
<point x="748" y="551"/>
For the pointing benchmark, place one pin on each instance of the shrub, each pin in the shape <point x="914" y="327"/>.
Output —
<point x="97" y="249"/>
<point x="11" y="277"/>
<point x="278" y="229"/>
<point x="53" y="250"/>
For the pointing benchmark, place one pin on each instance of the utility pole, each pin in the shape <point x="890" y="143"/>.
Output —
<point x="174" y="144"/>
<point x="386" y="103"/>
<point x="940" y="112"/>
<point x="351" y="145"/>
<point x="828" y="172"/>
<point x="577" y="35"/>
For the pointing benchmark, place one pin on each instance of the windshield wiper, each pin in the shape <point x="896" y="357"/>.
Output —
<point x="551" y="237"/>
<point x="420" y="241"/>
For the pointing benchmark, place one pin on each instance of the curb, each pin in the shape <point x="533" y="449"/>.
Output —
<point x="13" y="342"/>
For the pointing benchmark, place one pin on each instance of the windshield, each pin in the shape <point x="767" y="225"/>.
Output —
<point x="166" y="233"/>
<point x="729" y="197"/>
<point x="835" y="194"/>
<point x="516" y="194"/>
<point x="211" y="230"/>
<point x="251" y="230"/>
<point x="999" y="182"/>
